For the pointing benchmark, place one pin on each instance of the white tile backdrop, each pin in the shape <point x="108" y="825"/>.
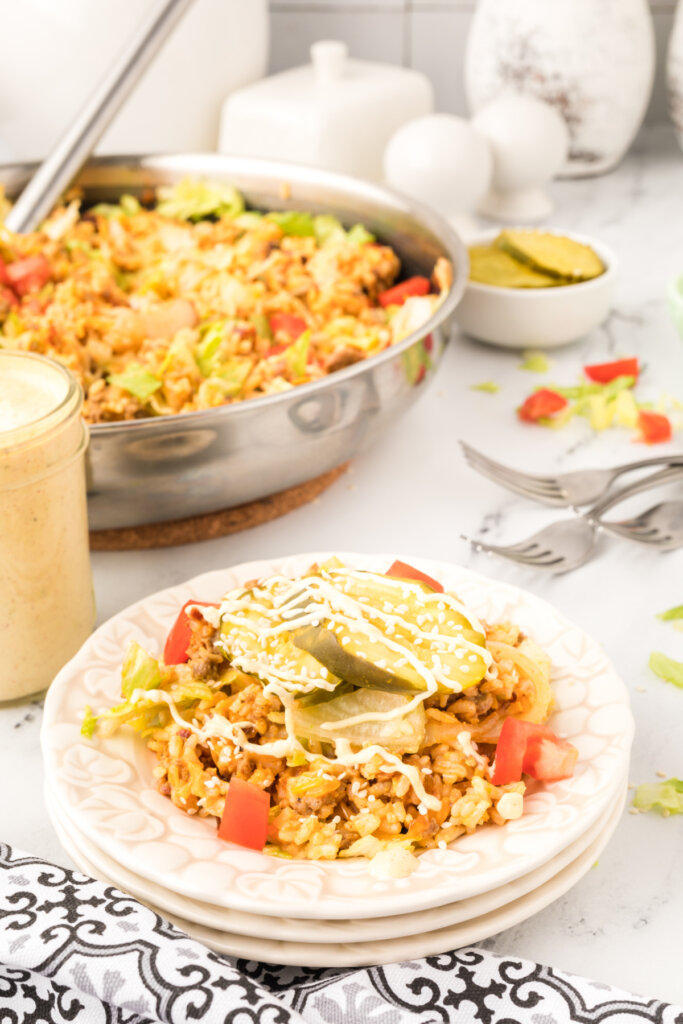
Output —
<point x="426" y="34"/>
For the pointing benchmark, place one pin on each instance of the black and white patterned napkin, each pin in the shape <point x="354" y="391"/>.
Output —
<point x="76" y="950"/>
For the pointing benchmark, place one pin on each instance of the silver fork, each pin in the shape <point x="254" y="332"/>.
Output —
<point x="566" y="545"/>
<point x="563" y="490"/>
<point x="660" y="526"/>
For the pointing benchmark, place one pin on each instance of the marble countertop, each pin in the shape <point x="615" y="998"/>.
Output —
<point x="413" y="493"/>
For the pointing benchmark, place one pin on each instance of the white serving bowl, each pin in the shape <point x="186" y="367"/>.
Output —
<point x="537" y="317"/>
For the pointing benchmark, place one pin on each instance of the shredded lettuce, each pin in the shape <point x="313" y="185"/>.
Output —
<point x="136" y="381"/>
<point x="233" y="374"/>
<point x="487" y="386"/>
<point x="328" y="229"/>
<point x="663" y="797"/>
<point x="535" y="362"/>
<point x="359" y="235"/>
<point x="196" y="200"/>
<point x="140" y="671"/>
<point x="262" y="325"/>
<point x="127" y="206"/>
<point x="296" y="355"/>
<point x="666" y="668"/>
<point x="208" y="349"/>
<point x="294" y="222"/>
<point x="671" y="613"/>
<point x="89" y="723"/>
<point x="249" y="219"/>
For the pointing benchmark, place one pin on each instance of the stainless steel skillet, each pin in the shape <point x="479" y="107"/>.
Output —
<point x="170" y="467"/>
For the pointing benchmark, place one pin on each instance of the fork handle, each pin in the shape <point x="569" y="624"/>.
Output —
<point x="653" y="460"/>
<point x="674" y="472"/>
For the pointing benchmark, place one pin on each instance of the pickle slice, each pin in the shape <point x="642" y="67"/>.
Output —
<point x="372" y="664"/>
<point x="557" y="255"/>
<point x="402" y="734"/>
<point x="494" y="266"/>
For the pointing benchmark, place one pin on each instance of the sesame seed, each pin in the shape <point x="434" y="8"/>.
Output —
<point x="442" y="844"/>
<point x="660" y="774"/>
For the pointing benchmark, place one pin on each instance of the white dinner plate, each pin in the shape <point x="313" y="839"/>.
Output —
<point x="290" y="929"/>
<point x="385" y="951"/>
<point x="109" y="789"/>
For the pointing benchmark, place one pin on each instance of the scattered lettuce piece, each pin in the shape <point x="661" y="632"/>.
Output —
<point x="89" y="723"/>
<point x="137" y="381"/>
<point x="535" y="362"/>
<point x="663" y="797"/>
<point x="296" y="759"/>
<point x="196" y="200"/>
<point x="488" y="386"/>
<point x="294" y="222"/>
<point x="671" y="613"/>
<point x="296" y="355"/>
<point x="666" y="668"/>
<point x="140" y="671"/>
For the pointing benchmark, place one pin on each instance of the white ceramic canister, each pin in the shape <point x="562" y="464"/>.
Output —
<point x="47" y="606"/>
<point x="335" y="112"/>
<point x="674" y="74"/>
<point x="593" y="60"/>
<point x="60" y="50"/>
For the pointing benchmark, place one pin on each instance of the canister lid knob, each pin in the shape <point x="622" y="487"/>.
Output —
<point x="328" y="57"/>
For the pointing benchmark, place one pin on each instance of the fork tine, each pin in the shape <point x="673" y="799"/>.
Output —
<point x="522" y="483"/>
<point x="519" y="482"/>
<point x="522" y="552"/>
<point x="474" y="456"/>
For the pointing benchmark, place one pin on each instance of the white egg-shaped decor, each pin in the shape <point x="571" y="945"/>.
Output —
<point x="442" y="161"/>
<point x="529" y="144"/>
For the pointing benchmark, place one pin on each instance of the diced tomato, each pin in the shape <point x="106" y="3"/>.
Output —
<point x="178" y="640"/>
<point x="403" y="571"/>
<point x="288" y="324"/>
<point x="548" y="758"/>
<point x="533" y="749"/>
<point x="654" y="427"/>
<point x="276" y="350"/>
<point x="7" y="297"/>
<point x="397" y="295"/>
<point x="4" y="276"/>
<point x="29" y="274"/>
<point x="245" y="815"/>
<point x="541" y="404"/>
<point x="509" y="752"/>
<point x="603" y="373"/>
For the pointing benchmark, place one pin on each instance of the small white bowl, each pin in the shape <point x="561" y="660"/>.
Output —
<point x="537" y="317"/>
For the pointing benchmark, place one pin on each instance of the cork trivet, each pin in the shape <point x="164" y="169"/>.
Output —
<point x="213" y="524"/>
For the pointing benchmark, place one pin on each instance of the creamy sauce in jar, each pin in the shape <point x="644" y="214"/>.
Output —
<point x="47" y="605"/>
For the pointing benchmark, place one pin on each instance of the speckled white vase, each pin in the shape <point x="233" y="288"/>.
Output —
<point x="591" y="59"/>
<point x="674" y="74"/>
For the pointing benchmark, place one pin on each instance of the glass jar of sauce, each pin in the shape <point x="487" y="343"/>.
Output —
<point x="47" y="606"/>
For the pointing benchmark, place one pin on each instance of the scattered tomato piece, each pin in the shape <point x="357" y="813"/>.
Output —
<point x="288" y="324"/>
<point x="541" y="404"/>
<point x="533" y="749"/>
<point x="603" y="373"/>
<point x="397" y="295"/>
<point x="29" y="274"/>
<point x="178" y="640"/>
<point x="655" y="428"/>
<point x="245" y="815"/>
<point x="403" y="571"/>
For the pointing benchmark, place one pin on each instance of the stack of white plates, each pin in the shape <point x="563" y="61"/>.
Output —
<point x="116" y="826"/>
